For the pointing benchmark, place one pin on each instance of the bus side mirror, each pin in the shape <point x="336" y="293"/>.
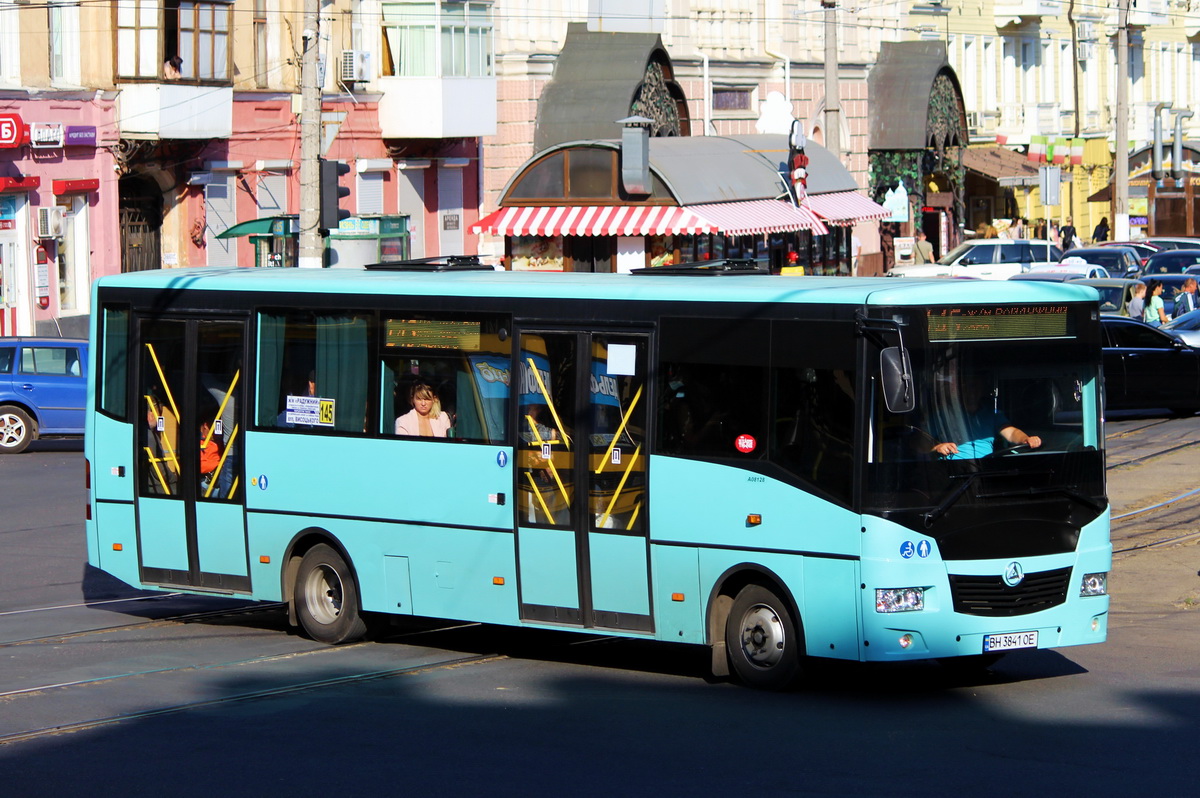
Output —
<point x="896" y="370"/>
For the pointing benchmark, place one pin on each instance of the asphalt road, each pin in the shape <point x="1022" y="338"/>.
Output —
<point x="213" y="700"/>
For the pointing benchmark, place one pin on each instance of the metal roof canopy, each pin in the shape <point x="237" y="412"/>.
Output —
<point x="900" y="85"/>
<point x="701" y="170"/>
<point x="596" y="78"/>
<point x="267" y="225"/>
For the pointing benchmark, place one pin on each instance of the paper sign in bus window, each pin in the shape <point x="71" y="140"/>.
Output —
<point x="310" y="411"/>
<point x="622" y="360"/>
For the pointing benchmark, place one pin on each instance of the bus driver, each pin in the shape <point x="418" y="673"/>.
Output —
<point x="981" y="423"/>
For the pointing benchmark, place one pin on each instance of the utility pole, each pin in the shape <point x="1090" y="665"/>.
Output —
<point x="311" y="246"/>
<point x="1121" y="145"/>
<point x="833" y="103"/>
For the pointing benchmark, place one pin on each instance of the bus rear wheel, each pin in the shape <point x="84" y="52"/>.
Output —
<point x="327" y="597"/>
<point x="16" y="430"/>
<point x="763" y="641"/>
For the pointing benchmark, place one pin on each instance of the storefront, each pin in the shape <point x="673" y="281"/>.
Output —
<point x="578" y="207"/>
<point x="55" y="210"/>
<point x="1166" y="207"/>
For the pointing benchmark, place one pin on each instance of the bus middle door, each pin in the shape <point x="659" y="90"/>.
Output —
<point x="582" y="541"/>
<point x="191" y="505"/>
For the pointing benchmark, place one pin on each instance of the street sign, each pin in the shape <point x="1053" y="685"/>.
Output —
<point x="12" y="130"/>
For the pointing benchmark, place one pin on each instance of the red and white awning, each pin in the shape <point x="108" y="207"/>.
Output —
<point x="753" y="217"/>
<point x="845" y="207"/>
<point x="593" y="220"/>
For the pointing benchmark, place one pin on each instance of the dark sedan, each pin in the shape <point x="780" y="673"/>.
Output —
<point x="1146" y="368"/>
<point x="1119" y="261"/>
<point x="1170" y="261"/>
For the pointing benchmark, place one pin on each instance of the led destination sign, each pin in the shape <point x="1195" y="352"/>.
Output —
<point x="998" y="323"/>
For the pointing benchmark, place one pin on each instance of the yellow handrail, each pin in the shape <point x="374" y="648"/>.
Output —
<point x="620" y="485"/>
<point x="620" y="428"/>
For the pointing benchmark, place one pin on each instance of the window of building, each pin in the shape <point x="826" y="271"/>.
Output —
<point x="72" y="257"/>
<point x="64" y="42"/>
<point x="430" y="39"/>
<point x="260" y="44"/>
<point x="729" y="98"/>
<point x="195" y="32"/>
<point x="10" y="44"/>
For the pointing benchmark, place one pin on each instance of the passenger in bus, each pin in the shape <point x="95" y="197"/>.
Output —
<point x="981" y="423"/>
<point x="426" y="419"/>
<point x="162" y="443"/>
<point x="210" y="458"/>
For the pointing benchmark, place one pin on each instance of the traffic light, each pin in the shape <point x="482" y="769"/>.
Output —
<point x="332" y="192"/>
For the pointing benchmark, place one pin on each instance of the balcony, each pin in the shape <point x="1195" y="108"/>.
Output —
<point x="175" y="111"/>
<point x="437" y="108"/>
<point x="1014" y="12"/>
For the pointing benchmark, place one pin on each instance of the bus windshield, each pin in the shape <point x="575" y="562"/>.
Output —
<point x="999" y="426"/>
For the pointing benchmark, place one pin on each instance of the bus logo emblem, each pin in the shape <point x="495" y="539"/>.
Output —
<point x="745" y="444"/>
<point x="1013" y="574"/>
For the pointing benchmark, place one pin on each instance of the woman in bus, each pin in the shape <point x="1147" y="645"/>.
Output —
<point x="426" y="419"/>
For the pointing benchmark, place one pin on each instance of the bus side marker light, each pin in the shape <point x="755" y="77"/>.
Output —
<point x="264" y="558"/>
<point x="676" y="597"/>
<point x="497" y="580"/>
<point x="118" y="547"/>
<point x="754" y="519"/>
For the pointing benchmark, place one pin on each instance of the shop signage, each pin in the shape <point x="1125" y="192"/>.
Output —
<point x="450" y="221"/>
<point x="358" y="226"/>
<point x="81" y="136"/>
<point x="46" y="134"/>
<point x="12" y="130"/>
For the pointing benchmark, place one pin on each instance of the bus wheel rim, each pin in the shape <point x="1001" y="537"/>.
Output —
<point x="764" y="639"/>
<point x="323" y="594"/>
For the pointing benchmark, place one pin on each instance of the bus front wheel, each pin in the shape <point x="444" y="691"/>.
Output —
<point x="762" y="639"/>
<point x="327" y="597"/>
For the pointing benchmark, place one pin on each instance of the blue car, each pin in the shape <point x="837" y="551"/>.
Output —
<point x="43" y="390"/>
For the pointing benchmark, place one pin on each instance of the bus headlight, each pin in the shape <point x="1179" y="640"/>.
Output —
<point x="899" y="599"/>
<point x="1094" y="585"/>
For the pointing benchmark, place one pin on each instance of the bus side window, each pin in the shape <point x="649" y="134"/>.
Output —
<point x="463" y="360"/>
<point x="314" y="371"/>
<point x="713" y="388"/>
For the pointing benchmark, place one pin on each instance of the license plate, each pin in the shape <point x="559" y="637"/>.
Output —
<point x="1010" y="641"/>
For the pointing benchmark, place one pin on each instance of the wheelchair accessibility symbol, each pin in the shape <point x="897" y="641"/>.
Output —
<point x="907" y="549"/>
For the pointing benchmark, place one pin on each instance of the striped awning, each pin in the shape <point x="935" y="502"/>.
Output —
<point x="753" y="217"/>
<point x="845" y="207"/>
<point x="593" y="220"/>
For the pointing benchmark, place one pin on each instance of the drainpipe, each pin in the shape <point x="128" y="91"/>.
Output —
<point x="1177" y="146"/>
<point x="704" y="75"/>
<point x="778" y="56"/>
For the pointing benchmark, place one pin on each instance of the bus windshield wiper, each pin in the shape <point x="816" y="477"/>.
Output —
<point x="1070" y="491"/>
<point x="957" y="493"/>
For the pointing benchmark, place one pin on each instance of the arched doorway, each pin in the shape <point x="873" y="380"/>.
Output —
<point x="141" y="211"/>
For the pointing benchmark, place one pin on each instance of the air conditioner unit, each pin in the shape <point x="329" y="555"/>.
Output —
<point x="973" y="120"/>
<point x="49" y="222"/>
<point x="1084" y="30"/>
<point x="1085" y="51"/>
<point x="356" y="66"/>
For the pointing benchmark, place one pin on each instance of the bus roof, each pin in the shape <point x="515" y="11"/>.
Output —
<point x="575" y="285"/>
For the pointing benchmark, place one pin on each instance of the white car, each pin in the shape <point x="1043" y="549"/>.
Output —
<point x="987" y="259"/>
<point x="1072" y="265"/>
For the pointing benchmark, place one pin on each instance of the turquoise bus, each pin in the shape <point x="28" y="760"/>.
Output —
<point x="774" y="467"/>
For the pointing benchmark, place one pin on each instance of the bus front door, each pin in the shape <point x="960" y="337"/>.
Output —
<point x="190" y="504"/>
<point x="582" y="545"/>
